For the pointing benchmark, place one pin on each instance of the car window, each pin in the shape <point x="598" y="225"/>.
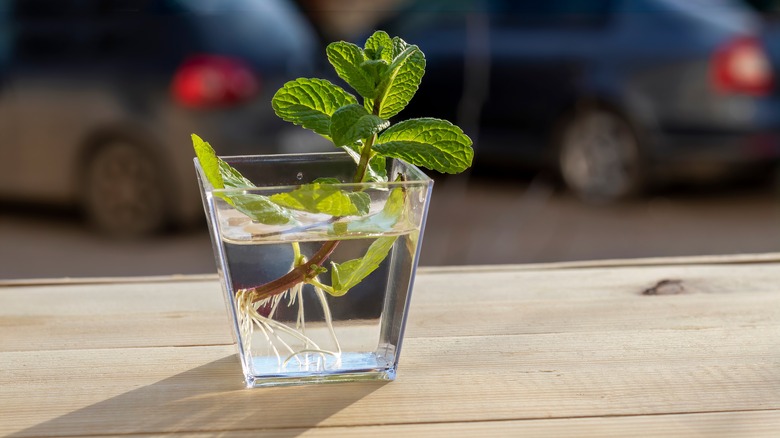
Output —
<point x="767" y="8"/>
<point x="45" y="28"/>
<point x="5" y="36"/>
<point x="553" y="12"/>
<point x="417" y="15"/>
<point x="85" y="32"/>
<point x="526" y="13"/>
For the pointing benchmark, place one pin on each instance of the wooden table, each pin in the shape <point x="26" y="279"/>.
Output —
<point x="665" y="347"/>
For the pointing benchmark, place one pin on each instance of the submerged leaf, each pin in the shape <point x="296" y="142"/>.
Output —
<point x="324" y="199"/>
<point x="346" y="275"/>
<point x="260" y="209"/>
<point x="432" y="143"/>
<point x="231" y="177"/>
<point x="384" y="220"/>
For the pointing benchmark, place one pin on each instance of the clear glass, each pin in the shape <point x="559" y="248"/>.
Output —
<point x="303" y="333"/>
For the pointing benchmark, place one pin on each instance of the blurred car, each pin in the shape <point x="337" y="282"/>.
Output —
<point x="98" y="98"/>
<point x="613" y="94"/>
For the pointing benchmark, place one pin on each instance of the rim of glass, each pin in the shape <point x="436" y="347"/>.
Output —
<point x="421" y="180"/>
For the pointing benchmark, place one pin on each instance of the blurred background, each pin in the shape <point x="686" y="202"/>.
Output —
<point x="602" y="128"/>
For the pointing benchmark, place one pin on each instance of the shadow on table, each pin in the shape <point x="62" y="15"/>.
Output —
<point x="210" y="398"/>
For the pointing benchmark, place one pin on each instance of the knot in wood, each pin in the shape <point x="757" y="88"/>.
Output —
<point x="665" y="287"/>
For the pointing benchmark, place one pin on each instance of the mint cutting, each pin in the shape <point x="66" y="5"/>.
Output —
<point x="384" y="75"/>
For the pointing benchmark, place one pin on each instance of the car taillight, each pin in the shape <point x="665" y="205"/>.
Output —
<point x="208" y="81"/>
<point x="742" y="66"/>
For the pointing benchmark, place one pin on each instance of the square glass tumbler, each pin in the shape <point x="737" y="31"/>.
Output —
<point x="324" y="297"/>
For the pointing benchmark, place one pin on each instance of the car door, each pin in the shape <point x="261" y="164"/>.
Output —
<point x="54" y="81"/>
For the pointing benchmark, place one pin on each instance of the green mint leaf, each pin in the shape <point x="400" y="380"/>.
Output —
<point x="351" y="123"/>
<point x="353" y="150"/>
<point x="382" y="221"/>
<point x="222" y="175"/>
<point x="232" y="178"/>
<point x="431" y="143"/>
<point x="376" y="69"/>
<point x="209" y="161"/>
<point x="310" y="103"/>
<point x="260" y="209"/>
<point x="339" y="228"/>
<point x="325" y="199"/>
<point x="345" y="276"/>
<point x="327" y="181"/>
<point x="379" y="46"/>
<point x="377" y="168"/>
<point x="361" y="201"/>
<point x="404" y="79"/>
<point x="347" y="59"/>
<point x="400" y="81"/>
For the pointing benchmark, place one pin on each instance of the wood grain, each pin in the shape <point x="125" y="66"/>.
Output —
<point x="503" y="352"/>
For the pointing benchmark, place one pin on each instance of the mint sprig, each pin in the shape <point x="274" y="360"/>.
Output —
<point x="385" y="73"/>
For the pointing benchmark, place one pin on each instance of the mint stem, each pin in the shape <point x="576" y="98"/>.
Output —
<point x="299" y="274"/>
<point x="365" y="156"/>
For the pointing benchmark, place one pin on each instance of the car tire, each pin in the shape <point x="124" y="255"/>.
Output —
<point x="124" y="194"/>
<point x="599" y="157"/>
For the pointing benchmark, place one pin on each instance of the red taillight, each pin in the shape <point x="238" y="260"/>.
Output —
<point x="742" y="66"/>
<point x="207" y="81"/>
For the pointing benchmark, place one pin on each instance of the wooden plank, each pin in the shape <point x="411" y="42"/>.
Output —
<point x="730" y="259"/>
<point x="711" y="425"/>
<point x="715" y="259"/>
<point x="105" y="280"/>
<point x="113" y="316"/>
<point x="447" y="379"/>
<point x="444" y="304"/>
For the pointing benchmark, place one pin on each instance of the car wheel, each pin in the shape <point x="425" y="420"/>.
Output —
<point x="599" y="157"/>
<point x="123" y="194"/>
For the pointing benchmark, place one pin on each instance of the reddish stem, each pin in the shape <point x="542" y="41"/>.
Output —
<point x="299" y="274"/>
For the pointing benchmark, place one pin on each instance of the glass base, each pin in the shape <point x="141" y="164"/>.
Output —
<point x="352" y="367"/>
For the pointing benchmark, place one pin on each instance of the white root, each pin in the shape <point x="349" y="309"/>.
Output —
<point x="300" y="323"/>
<point x="272" y="330"/>
<point x="268" y="339"/>
<point x="328" y="319"/>
<point x="249" y="317"/>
